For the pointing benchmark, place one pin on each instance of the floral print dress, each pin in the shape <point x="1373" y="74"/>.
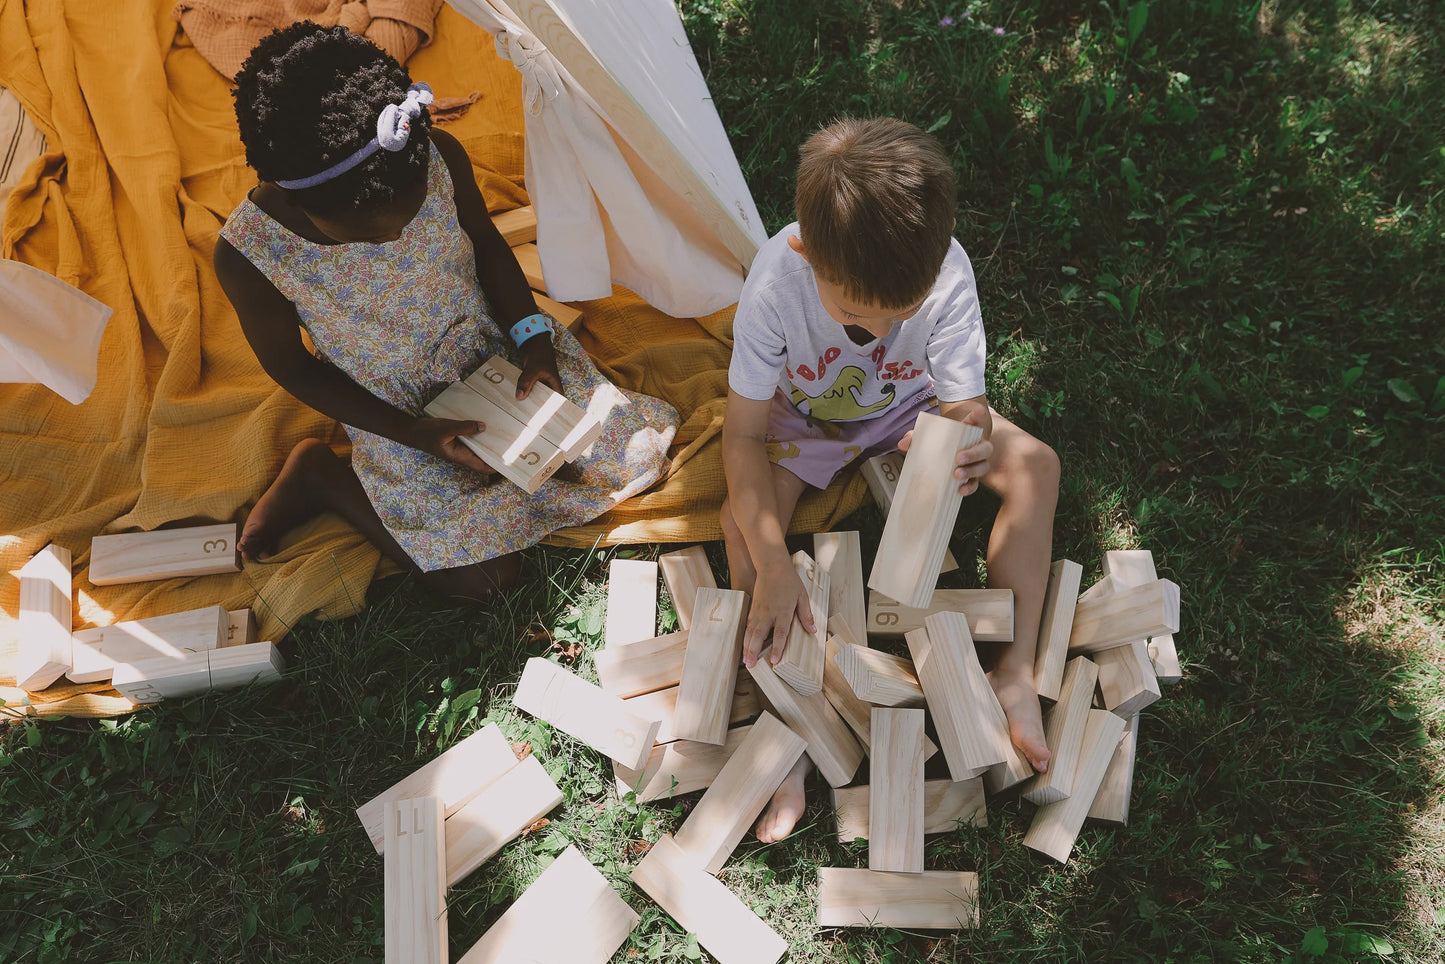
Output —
<point x="405" y="319"/>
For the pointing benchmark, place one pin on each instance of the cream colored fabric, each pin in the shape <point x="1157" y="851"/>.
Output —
<point x="49" y="332"/>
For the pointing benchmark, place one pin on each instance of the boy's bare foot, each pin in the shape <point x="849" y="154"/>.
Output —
<point x="787" y="804"/>
<point x="289" y="501"/>
<point x="1020" y="701"/>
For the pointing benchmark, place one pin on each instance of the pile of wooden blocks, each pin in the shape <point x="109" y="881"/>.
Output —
<point x="675" y="716"/>
<point x="146" y="660"/>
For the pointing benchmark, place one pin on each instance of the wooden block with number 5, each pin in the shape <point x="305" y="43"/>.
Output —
<point x="586" y="712"/>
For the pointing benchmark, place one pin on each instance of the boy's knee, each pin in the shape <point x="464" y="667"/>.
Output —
<point x="730" y="529"/>
<point x="1043" y="464"/>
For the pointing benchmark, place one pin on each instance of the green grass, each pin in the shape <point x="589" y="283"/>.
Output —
<point x="1207" y="235"/>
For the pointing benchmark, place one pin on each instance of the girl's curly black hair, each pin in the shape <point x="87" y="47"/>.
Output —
<point x="307" y="97"/>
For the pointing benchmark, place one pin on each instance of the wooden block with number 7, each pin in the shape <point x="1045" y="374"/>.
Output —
<point x="710" y="665"/>
<point x="586" y="712"/>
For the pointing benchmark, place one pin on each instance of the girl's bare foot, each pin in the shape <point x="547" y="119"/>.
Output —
<point x="289" y="501"/>
<point x="787" y="804"/>
<point x="1020" y="701"/>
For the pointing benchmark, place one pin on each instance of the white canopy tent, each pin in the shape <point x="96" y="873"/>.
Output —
<point x="628" y="166"/>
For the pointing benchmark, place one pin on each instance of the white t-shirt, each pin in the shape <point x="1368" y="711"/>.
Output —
<point x="784" y="338"/>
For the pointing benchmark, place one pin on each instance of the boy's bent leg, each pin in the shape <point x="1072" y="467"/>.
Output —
<point x="787" y="489"/>
<point x="1024" y="473"/>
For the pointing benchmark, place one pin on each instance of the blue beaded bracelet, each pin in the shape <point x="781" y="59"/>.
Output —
<point x="529" y="326"/>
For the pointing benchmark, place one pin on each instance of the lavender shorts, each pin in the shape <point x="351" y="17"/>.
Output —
<point x="816" y="451"/>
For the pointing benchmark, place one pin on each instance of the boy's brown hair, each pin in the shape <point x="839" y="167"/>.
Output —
<point x="875" y="203"/>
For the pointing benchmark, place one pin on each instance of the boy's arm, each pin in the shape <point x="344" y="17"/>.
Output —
<point x="498" y="273"/>
<point x="269" y="322"/>
<point x="973" y="462"/>
<point x="778" y="593"/>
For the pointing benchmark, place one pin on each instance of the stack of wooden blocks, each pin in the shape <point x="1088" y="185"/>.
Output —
<point x="146" y="660"/>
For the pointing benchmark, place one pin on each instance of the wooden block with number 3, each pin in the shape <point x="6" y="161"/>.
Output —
<point x="586" y="712"/>
<point x="163" y="554"/>
<point x="416" y="885"/>
<point x="710" y="665"/>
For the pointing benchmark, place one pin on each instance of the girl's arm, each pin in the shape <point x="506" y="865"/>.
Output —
<point x="972" y="463"/>
<point x="271" y="325"/>
<point x="778" y="593"/>
<point x="498" y="273"/>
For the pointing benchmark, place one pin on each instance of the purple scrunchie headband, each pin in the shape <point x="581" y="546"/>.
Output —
<point x="393" y="130"/>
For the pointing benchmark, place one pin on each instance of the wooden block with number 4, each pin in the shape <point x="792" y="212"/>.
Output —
<point x="586" y="712"/>
<point x="925" y="508"/>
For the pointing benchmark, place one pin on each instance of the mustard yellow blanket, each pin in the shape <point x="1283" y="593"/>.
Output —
<point x="144" y="165"/>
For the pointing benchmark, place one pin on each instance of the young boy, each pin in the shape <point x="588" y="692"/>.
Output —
<point x="853" y="320"/>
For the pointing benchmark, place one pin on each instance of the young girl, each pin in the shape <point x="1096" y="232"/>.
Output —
<point x="369" y="231"/>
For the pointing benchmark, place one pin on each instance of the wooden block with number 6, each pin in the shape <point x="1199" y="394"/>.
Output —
<point x="586" y="712"/>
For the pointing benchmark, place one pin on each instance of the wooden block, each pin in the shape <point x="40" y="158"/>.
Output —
<point x="685" y="572"/>
<point x="235" y="666"/>
<point x="925" y="508"/>
<point x="739" y="792"/>
<point x="163" y="554"/>
<point x="710" y="667"/>
<point x="521" y="455"/>
<point x="946" y="806"/>
<point x="240" y="627"/>
<point x="895" y="797"/>
<point x="416" y="886"/>
<point x="631" y="601"/>
<point x="956" y="690"/>
<point x="840" y="555"/>
<point x="1111" y="803"/>
<point x="1064" y="726"/>
<point x="45" y="613"/>
<point x="585" y="712"/>
<point x="517" y="226"/>
<point x="1167" y="668"/>
<point x="830" y="744"/>
<point x="662" y="706"/>
<point x="496" y="816"/>
<point x="1055" y="626"/>
<point x="935" y="899"/>
<point x="456" y="776"/>
<point x="679" y="767"/>
<point x="1106" y="586"/>
<point x="1056" y="825"/>
<point x="644" y="666"/>
<point x="724" y="925"/>
<point x="879" y="678"/>
<point x="1126" y="678"/>
<point x="853" y="711"/>
<point x="87" y="663"/>
<point x="597" y="919"/>
<point x="172" y="635"/>
<point x="1134" y="567"/>
<point x="802" y="664"/>
<point x="990" y="613"/>
<point x="529" y="259"/>
<point x="1129" y="614"/>
<point x="165" y="678"/>
<point x="882" y="473"/>
<point x="544" y="412"/>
